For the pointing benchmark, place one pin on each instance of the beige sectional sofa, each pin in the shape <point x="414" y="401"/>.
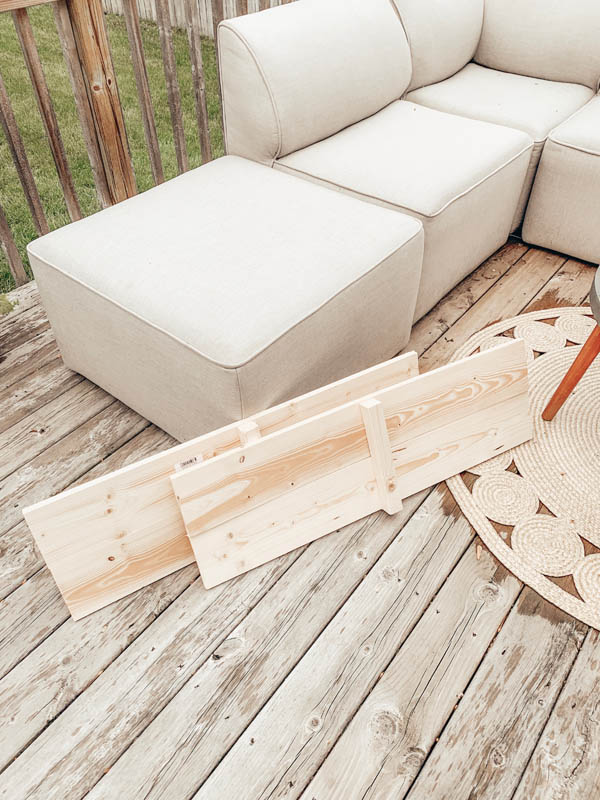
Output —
<point x="336" y="91"/>
<point x="379" y="150"/>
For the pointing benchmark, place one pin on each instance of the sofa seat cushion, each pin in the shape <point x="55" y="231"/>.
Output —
<point x="564" y="210"/>
<point x="532" y="105"/>
<point x="461" y="177"/>
<point x="226" y="290"/>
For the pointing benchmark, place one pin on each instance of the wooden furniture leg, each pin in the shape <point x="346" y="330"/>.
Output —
<point x="588" y="353"/>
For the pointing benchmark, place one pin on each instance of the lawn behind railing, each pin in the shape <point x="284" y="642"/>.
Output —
<point x="13" y="69"/>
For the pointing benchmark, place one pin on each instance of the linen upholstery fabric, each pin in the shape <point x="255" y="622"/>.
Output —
<point x="531" y="104"/>
<point x="294" y="74"/>
<point x="442" y="34"/>
<point x="226" y="290"/>
<point x="461" y="177"/>
<point x="564" y="209"/>
<point x="552" y="39"/>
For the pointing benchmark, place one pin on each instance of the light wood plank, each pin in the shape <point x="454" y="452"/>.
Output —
<point x="136" y="50"/>
<point x="163" y="20"/>
<point x="380" y="449"/>
<point x="44" y="101"/>
<point x="302" y="600"/>
<point x="144" y="506"/>
<point x="19" y="633"/>
<point x="301" y="483"/>
<point x="488" y="741"/>
<point x="17" y="149"/>
<point x="565" y="761"/>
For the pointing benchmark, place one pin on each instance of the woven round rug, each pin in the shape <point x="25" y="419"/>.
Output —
<point x="537" y="506"/>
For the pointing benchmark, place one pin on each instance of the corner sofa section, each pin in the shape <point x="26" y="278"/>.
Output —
<point x="532" y="65"/>
<point x="313" y="88"/>
<point x="336" y="91"/>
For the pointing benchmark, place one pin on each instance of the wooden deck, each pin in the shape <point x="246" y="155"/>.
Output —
<point x="393" y="659"/>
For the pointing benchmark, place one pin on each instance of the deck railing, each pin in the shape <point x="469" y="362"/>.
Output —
<point x="82" y="33"/>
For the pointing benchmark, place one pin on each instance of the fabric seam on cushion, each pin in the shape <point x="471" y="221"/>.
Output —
<point x="408" y="42"/>
<point x="134" y="314"/>
<point x="261" y="72"/>
<point x="219" y="73"/>
<point x="251" y="358"/>
<point x="392" y="204"/>
<point x="552" y="133"/>
<point x="578" y="148"/>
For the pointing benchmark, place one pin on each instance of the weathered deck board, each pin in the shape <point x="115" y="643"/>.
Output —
<point x="161" y="694"/>
<point x="383" y="748"/>
<point x="293" y="732"/>
<point x="565" y="761"/>
<point x="485" y="747"/>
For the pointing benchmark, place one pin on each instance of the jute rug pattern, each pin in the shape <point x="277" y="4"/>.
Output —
<point x="537" y="507"/>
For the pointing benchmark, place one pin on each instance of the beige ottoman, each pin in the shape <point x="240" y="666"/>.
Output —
<point x="564" y="209"/>
<point x="227" y="290"/>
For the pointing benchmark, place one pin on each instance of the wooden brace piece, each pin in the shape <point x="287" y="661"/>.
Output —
<point x="381" y="455"/>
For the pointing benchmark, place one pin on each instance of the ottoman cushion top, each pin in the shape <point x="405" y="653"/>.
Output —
<point x="228" y="257"/>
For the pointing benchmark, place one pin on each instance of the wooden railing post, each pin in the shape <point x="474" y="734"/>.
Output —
<point x="91" y="39"/>
<point x="15" y="264"/>
<point x="82" y="101"/>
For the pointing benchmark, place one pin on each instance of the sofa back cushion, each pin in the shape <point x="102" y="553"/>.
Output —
<point x="558" y="40"/>
<point x="297" y="73"/>
<point x="442" y="34"/>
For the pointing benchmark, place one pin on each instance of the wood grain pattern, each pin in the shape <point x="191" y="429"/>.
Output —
<point x="246" y="507"/>
<point x="564" y="763"/>
<point x="12" y="5"/>
<point x="44" y="102"/>
<point x="487" y="743"/>
<point x="142" y="504"/>
<point x="309" y="710"/>
<point x="380" y="753"/>
<point x="168" y="710"/>
<point x="82" y="101"/>
<point x="380" y="449"/>
<point x="90" y="35"/>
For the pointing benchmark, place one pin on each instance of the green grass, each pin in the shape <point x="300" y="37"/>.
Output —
<point x="30" y="125"/>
